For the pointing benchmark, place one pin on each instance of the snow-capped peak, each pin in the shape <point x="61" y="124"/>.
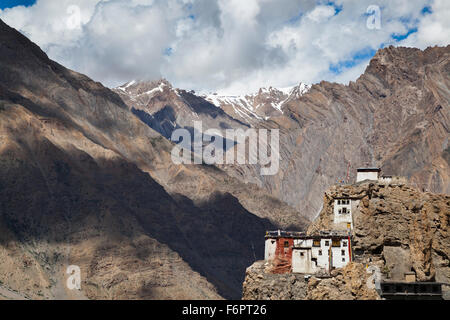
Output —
<point x="260" y="105"/>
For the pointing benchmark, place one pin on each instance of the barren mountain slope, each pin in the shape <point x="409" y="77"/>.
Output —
<point x="86" y="182"/>
<point x="396" y="116"/>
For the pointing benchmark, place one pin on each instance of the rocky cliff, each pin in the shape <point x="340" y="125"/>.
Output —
<point x="406" y="229"/>
<point x="349" y="283"/>
<point x="397" y="228"/>
<point x="395" y="116"/>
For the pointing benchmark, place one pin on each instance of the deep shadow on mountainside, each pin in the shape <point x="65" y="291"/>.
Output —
<point x="85" y="182"/>
<point x="395" y="116"/>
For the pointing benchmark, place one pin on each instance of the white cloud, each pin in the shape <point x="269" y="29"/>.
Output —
<point x="321" y="13"/>
<point x="225" y="45"/>
<point x="433" y="29"/>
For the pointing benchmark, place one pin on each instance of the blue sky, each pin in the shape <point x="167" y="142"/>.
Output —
<point x="225" y="46"/>
<point x="13" y="3"/>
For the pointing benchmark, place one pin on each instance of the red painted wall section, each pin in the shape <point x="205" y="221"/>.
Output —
<point x="283" y="256"/>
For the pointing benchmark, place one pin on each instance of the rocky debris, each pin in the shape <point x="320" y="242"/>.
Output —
<point x="280" y="266"/>
<point x="260" y="284"/>
<point x="349" y="283"/>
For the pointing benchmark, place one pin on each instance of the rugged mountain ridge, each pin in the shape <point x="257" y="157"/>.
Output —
<point x="395" y="116"/>
<point x="257" y="107"/>
<point x="86" y="182"/>
<point x="165" y="109"/>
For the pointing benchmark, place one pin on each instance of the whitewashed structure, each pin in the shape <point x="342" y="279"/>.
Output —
<point x="320" y="254"/>
<point x="270" y="249"/>
<point x="309" y="254"/>
<point x="367" y="174"/>
<point x="343" y="212"/>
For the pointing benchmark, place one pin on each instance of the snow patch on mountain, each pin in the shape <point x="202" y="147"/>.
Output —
<point x="260" y="105"/>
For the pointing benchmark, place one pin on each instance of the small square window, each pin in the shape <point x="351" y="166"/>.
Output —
<point x="316" y="243"/>
<point x="343" y="259"/>
<point x="302" y="254"/>
<point x="343" y="252"/>
<point x="286" y="244"/>
<point x="327" y="243"/>
<point x="320" y="252"/>
<point x="344" y="244"/>
<point x="339" y="201"/>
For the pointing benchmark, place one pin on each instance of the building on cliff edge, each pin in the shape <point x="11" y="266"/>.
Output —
<point x="299" y="253"/>
<point x="320" y="253"/>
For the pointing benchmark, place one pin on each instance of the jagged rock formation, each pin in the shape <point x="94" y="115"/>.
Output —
<point x="254" y="108"/>
<point x="396" y="228"/>
<point x="165" y="108"/>
<point x="259" y="284"/>
<point x="395" y="116"/>
<point x="348" y="283"/>
<point x="406" y="229"/>
<point x="86" y="182"/>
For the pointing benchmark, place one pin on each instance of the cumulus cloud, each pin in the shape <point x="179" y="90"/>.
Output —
<point x="230" y="46"/>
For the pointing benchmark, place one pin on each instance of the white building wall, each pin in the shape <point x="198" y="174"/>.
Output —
<point x="323" y="261"/>
<point x="340" y="255"/>
<point x="301" y="261"/>
<point x="361" y="176"/>
<point x="305" y="263"/>
<point x="270" y="248"/>
<point x="340" y="208"/>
